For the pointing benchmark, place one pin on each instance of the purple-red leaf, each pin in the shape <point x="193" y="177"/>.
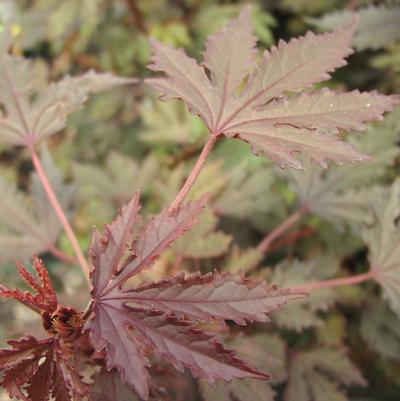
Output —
<point x="107" y="251"/>
<point x="229" y="56"/>
<point x="108" y="386"/>
<point x="153" y="239"/>
<point x="211" y="297"/>
<point x="186" y="346"/>
<point x="245" y="99"/>
<point x="185" y="80"/>
<point x="127" y="323"/>
<point x="110" y="330"/>
<point x="35" y="369"/>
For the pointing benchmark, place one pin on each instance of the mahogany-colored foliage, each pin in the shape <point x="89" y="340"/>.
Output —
<point x="126" y="324"/>
<point x="245" y="98"/>
<point x="163" y="315"/>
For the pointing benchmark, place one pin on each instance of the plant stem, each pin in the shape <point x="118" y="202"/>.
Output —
<point x="265" y="244"/>
<point x="60" y="213"/>
<point x="336" y="282"/>
<point x="194" y="173"/>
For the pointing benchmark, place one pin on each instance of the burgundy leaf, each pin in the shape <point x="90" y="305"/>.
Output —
<point x="108" y="386"/>
<point x="20" y="364"/>
<point x="323" y="109"/>
<point x="153" y="239"/>
<point x="127" y="323"/>
<point x="185" y="80"/>
<point x="212" y="296"/>
<point x="39" y="385"/>
<point x="110" y="330"/>
<point x="230" y="55"/>
<point x="107" y="251"/>
<point x="183" y="345"/>
<point x="34" y="369"/>
<point x="245" y="99"/>
<point x="67" y="383"/>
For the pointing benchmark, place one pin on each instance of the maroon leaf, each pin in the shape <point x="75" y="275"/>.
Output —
<point x="39" y="385"/>
<point x="111" y="268"/>
<point x="108" y="386"/>
<point x="67" y="381"/>
<point x="186" y="346"/>
<point x="210" y="297"/>
<point x="35" y="369"/>
<point x="108" y="250"/>
<point x="109" y="330"/>
<point x="20" y="364"/>
<point x="161" y="322"/>
<point x="158" y="235"/>
<point x="253" y="100"/>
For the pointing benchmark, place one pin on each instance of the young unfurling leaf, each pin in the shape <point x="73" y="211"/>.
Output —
<point x="34" y="370"/>
<point x="126" y="322"/>
<point x="245" y="99"/>
<point x="45" y="300"/>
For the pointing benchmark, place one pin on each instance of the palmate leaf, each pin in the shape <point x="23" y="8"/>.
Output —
<point x="378" y="25"/>
<point x="320" y="374"/>
<point x="244" y="99"/>
<point x="163" y="315"/>
<point x="30" y="226"/>
<point x="26" y="120"/>
<point x="383" y="240"/>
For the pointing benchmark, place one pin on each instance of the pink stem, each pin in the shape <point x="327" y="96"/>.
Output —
<point x="194" y="173"/>
<point x="265" y="244"/>
<point x="60" y="213"/>
<point x="336" y="282"/>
